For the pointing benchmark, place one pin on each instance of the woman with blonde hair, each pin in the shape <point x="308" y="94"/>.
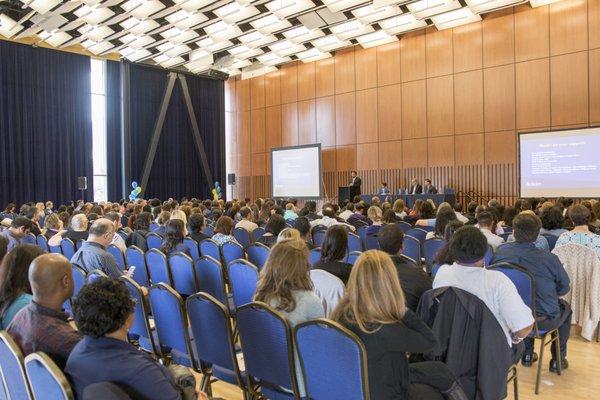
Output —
<point x="286" y="286"/>
<point x="180" y="215"/>
<point x="288" y="233"/>
<point x="376" y="216"/>
<point x="399" y="208"/>
<point x="374" y="309"/>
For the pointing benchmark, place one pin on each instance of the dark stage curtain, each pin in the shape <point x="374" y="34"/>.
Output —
<point x="113" y="130"/>
<point x="177" y="170"/>
<point x="45" y="124"/>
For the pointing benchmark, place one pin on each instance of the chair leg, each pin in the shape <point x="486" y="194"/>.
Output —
<point x="516" y="383"/>
<point x="540" y="362"/>
<point x="558" y="353"/>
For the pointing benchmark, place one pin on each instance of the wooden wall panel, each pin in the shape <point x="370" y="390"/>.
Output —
<point x="259" y="164"/>
<point x="440" y="151"/>
<point x="569" y="89"/>
<point x="345" y="123"/>
<point x="243" y="131"/>
<point x="499" y="98"/>
<point x="366" y="116"/>
<point x="568" y="26"/>
<point x="594" y="23"/>
<point x="366" y="156"/>
<point x="532" y="32"/>
<point x="289" y="83"/>
<point x="242" y="93"/>
<point x="390" y="155"/>
<point x="389" y="112"/>
<point x="307" y="122"/>
<point x="345" y="158"/>
<point x="289" y="124"/>
<point x="468" y="47"/>
<point x="306" y="81"/>
<point x="468" y="102"/>
<point x="272" y="89"/>
<point x="257" y="92"/>
<point x="469" y="149"/>
<point x="439" y="54"/>
<point x="273" y="127"/>
<point x="594" y="73"/>
<point x="328" y="159"/>
<point x="533" y="93"/>
<point x="440" y="106"/>
<point x="326" y="121"/>
<point x="414" y="153"/>
<point x="501" y="147"/>
<point x="412" y="56"/>
<point x="388" y="64"/>
<point x="414" y="110"/>
<point x="498" y="38"/>
<point x="257" y="133"/>
<point x="344" y="71"/>
<point x="366" y="67"/>
<point x="324" y="77"/>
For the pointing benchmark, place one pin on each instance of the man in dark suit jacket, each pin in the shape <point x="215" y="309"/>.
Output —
<point x="354" y="184"/>
<point x="429" y="188"/>
<point x="415" y="187"/>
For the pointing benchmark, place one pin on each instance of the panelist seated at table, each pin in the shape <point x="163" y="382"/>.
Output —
<point x="415" y="187"/>
<point x="384" y="190"/>
<point x="429" y="188"/>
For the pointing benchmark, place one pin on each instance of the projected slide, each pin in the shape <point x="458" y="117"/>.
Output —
<point x="296" y="171"/>
<point x="562" y="163"/>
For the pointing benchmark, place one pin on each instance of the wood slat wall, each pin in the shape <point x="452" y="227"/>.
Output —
<point x="440" y="104"/>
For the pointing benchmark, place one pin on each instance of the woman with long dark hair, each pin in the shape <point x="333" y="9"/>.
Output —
<point x="173" y="240"/>
<point x="333" y="252"/>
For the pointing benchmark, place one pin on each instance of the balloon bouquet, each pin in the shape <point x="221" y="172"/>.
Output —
<point x="216" y="192"/>
<point x="135" y="192"/>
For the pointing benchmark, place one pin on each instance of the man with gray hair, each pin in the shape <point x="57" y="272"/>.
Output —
<point x="117" y="239"/>
<point x="93" y="255"/>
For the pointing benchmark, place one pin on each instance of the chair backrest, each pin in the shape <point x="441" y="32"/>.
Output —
<point x="153" y="241"/>
<point x="427" y="228"/>
<point x="231" y="251"/>
<point x="489" y="255"/>
<point x="46" y="379"/>
<point x="208" y="230"/>
<point x="192" y="246"/>
<point x="67" y="248"/>
<point x="171" y="323"/>
<point x="141" y="313"/>
<point x="42" y="242"/>
<point x="333" y="360"/>
<point x="412" y="248"/>
<point x="182" y="273"/>
<point x="352" y="257"/>
<point x="95" y="274"/>
<point x="258" y="233"/>
<point x="372" y="242"/>
<point x="522" y="279"/>
<point x="551" y="240"/>
<point x="118" y="256"/>
<point x="135" y="258"/>
<point x="158" y="267"/>
<point x="267" y="346"/>
<point x="211" y="278"/>
<point x="258" y="254"/>
<point x="362" y="233"/>
<point x="104" y="391"/>
<point x="79" y="243"/>
<point x="242" y="236"/>
<point x="314" y="256"/>
<point x="29" y="239"/>
<point x="79" y="277"/>
<point x="418" y="234"/>
<point x="243" y="278"/>
<point x="430" y="249"/>
<point x="318" y="236"/>
<point x="55" y="249"/>
<point x="12" y="368"/>
<point x="209" y="247"/>
<point x="213" y="336"/>
<point x="154" y="226"/>
<point x="505" y="235"/>
<point x="354" y="242"/>
<point x="404" y="226"/>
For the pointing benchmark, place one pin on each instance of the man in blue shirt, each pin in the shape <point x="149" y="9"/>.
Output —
<point x="384" y="189"/>
<point x="19" y="228"/>
<point x="93" y="255"/>
<point x="551" y="282"/>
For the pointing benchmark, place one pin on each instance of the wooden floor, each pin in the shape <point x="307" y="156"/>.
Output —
<point x="580" y="382"/>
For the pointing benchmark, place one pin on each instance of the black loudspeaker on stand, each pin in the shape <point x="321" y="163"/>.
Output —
<point x="231" y="181"/>
<point x="82" y="185"/>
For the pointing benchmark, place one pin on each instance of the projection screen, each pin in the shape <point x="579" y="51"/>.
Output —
<point x="296" y="172"/>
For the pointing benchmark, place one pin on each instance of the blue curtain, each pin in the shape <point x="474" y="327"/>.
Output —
<point x="45" y="124"/>
<point x="176" y="171"/>
<point x="113" y="130"/>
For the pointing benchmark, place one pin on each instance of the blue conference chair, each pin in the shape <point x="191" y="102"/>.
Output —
<point x="525" y="284"/>
<point x="551" y="240"/>
<point x="171" y="325"/>
<point x="404" y="226"/>
<point x="94" y="275"/>
<point x="430" y="249"/>
<point x="268" y="354"/>
<point x="12" y="368"/>
<point x="231" y="251"/>
<point x="243" y="278"/>
<point x="318" y="235"/>
<point x="67" y="248"/>
<point x="418" y="234"/>
<point x="47" y="381"/>
<point x="182" y="274"/>
<point x="412" y="248"/>
<point x="362" y="233"/>
<point x="314" y="256"/>
<point x="353" y="256"/>
<point x="209" y="247"/>
<point x="372" y="242"/>
<point x="505" y="235"/>
<point x="427" y="228"/>
<point x="153" y="241"/>
<point x="141" y="330"/>
<point x="42" y="242"/>
<point x="333" y="360"/>
<point x="79" y="277"/>
<point x="55" y="249"/>
<point x="258" y="233"/>
<point x="29" y="239"/>
<point x="243" y="237"/>
<point x="118" y="256"/>
<point x="208" y="230"/>
<point x="489" y="255"/>
<point x="153" y="226"/>
<point x="258" y="254"/>
<point x="354" y="242"/>
<point x="193" y="248"/>
<point x="214" y="341"/>
<point x="158" y="267"/>
<point x="134" y="257"/>
<point x="211" y="278"/>
<point x="78" y="244"/>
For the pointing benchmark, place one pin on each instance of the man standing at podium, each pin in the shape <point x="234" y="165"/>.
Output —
<point x="354" y="185"/>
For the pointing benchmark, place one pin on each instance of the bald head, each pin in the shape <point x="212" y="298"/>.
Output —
<point x="49" y="276"/>
<point x="102" y="231"/>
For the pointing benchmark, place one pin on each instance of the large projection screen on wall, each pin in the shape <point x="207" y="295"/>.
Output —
<point x="560" y="163"/>
<point x="296" y="172"/>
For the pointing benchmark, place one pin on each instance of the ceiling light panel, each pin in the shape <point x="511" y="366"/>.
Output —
<point x="539" y="3"/>
<point x="482" y="6"/>
<point x="55" y="38"/>
<point x="286" y="48"/>
<point x="212" y="45"/>
<point x="221" y="30"/>
<point x="94" y="15"/>
<point x="173" y="50"/>
<point x="311" y="55"/>
<point x="375" y="39"/>
<point x="97" y="47"/>
<point x="330" y="43"/>
<point x="95" y="32"/>
<point x="243" y="51"/>
<point x="302" y="34"/>
<point x="193" y="5"/>
<point x="239" y="64"/>
<point x="142" y="8"/>
<point x="401" y="23"/>
<point x="285" y="8"/>
<point x="234" y="12"/>
<point x="139" y="26"/>
<point x="272" y="59"/>
<point x="455" y="18"/>
<point x="41" y="6"/>
<point x="426" y="8"/>
<point x="8" y="26"/>
<point x="179" y="36"/>
<point x="369" y="14"/>
<point x="134" y="55"/>
<point x="256" y="39"/>
<point x="351" y="29"/>
<point x="339" y="5"/>
<point x="183" y="19"/>
<point x="270" y="24"/>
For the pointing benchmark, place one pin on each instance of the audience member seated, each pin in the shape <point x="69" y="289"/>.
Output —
<point x="413" y="279"/>
<point x="53" y="227"/>
<point x="445" y="214"/>
<point x="173" y="240"/>
<point x="384" y="190"/>
<point x="580" y="215"/>
<point x="551" y="282"/>
<point x="34" y="214"/>
<point x="389" y="216"/>
<point x="246" y="222"/>
<point x="540" y="242"/>
<point x="180" y="215"/>
<point x="398" y="208"/>
<point x="224" y="231"/>
<point x="328" y="219"/>
<point x="103" y="313"/>
<point x="195" y="227"/>
<point x="466" y="251"/>
<point x="15" y="290"/>
<point x="141" y="230"/>
<point x="595" y="219"/>
<point x="19" y="228"/>
<point x="552" y="222"/>
<point x="333" y="253"/>
<point x="290" y="212"/>
<point x="9" y="212"/>
<point x="375" y="310"/>
<point x="348" y="211"/>
<point x="274" y="226"/>
<point x="359" y="218"/>
<point x="376" y="216"/>
<point x="162" y="220"/>
<point x="41" y="325"/>
<point x="288" y="233"/>
<point x="302" y="224"/>
<point x="93" y="255"/>
<point x="118" y="240"/>
<point x="508" y="216"/>
<point x="78" y="230"/>
<point x="485" y="221"/>
<point x="285" y="285"/>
